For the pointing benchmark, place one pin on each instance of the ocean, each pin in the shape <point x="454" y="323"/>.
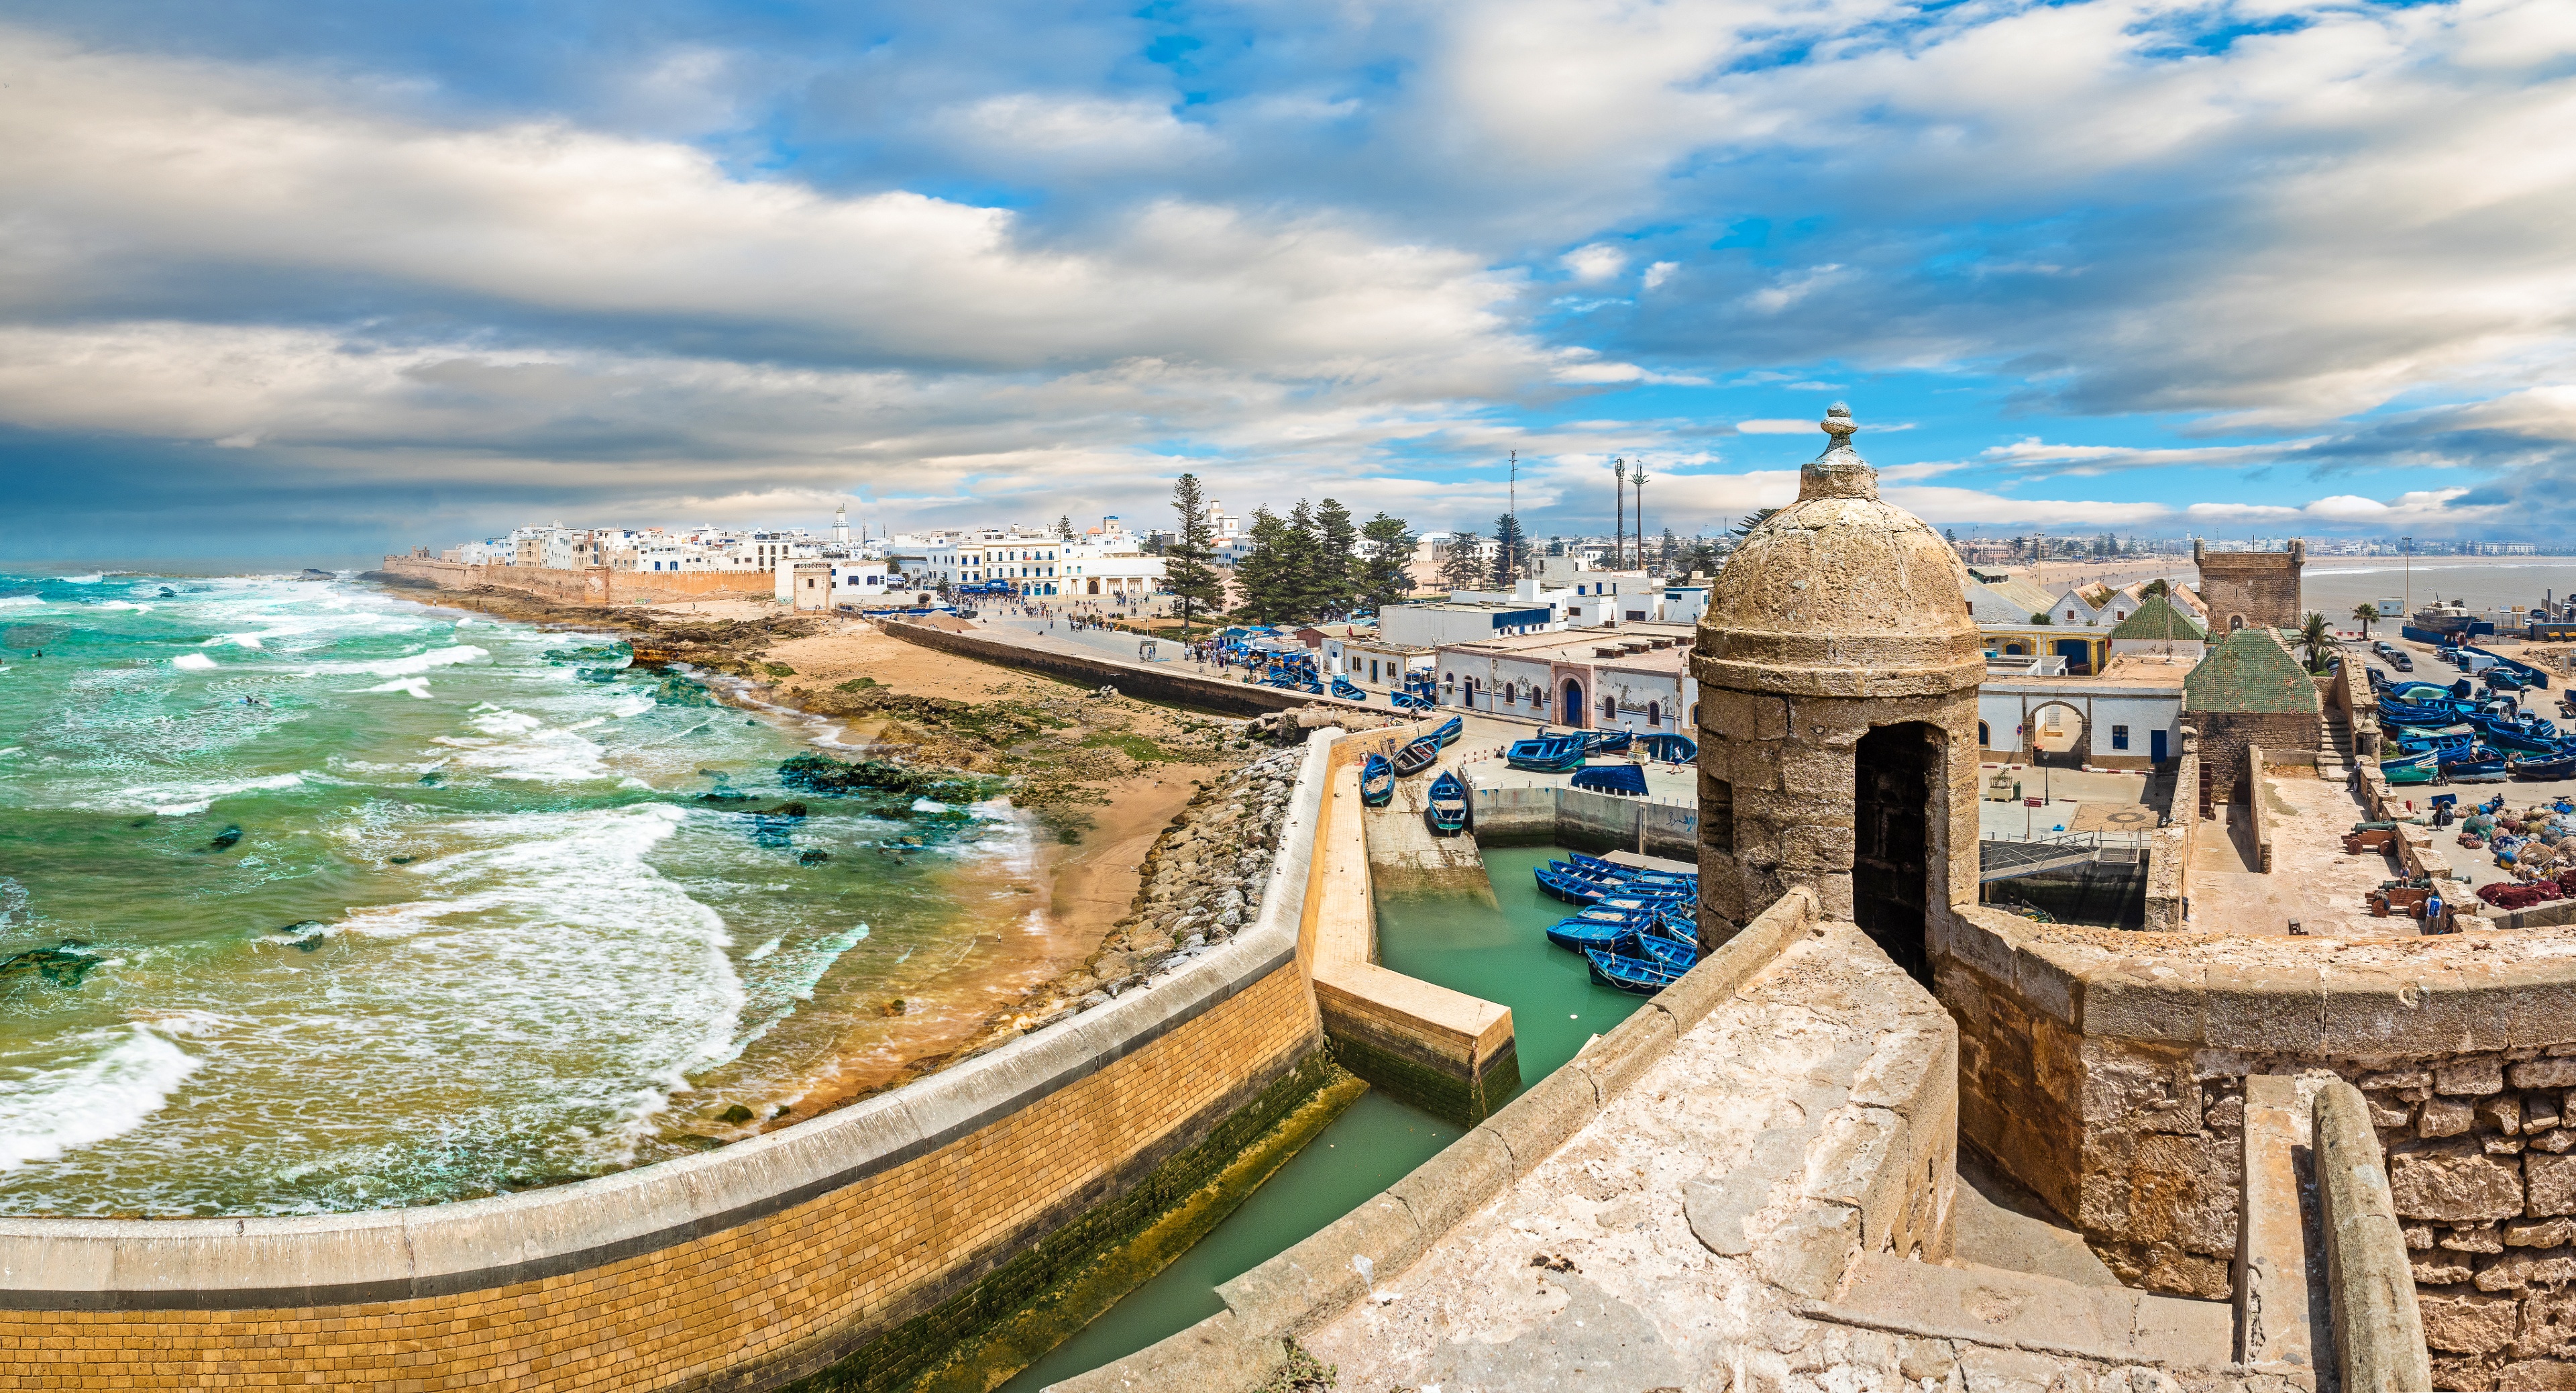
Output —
<point x="317" y="899"/>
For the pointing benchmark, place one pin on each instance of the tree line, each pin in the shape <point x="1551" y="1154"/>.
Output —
<point x="1314" y="564"/>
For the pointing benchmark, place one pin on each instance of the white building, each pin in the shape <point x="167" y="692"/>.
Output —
<point x="1633" y="677"/>
<point x="1111" y="566"/>
<point x="826" y="583"/>
<point x="1030" y="562"/>
<point x="2130" y="717"/>
<point x="1440" y="623"/>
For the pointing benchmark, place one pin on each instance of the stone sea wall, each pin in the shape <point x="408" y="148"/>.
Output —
<point x="2107" y="1072"/>
<point x="874" y="1234"/>
<point x="589" y="585"/>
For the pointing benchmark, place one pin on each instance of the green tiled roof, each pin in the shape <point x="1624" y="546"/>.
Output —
<point x="2155" y="619"/>
<point x="2250" y="671"/>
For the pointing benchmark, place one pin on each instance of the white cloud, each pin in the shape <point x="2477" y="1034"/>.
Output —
<point x="1775" y="425"/>
<point x="1595" y="263"/>
<point x="1659" y="273"/>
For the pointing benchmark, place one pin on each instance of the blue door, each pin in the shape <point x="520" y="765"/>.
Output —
<point x="2156" y="746"/>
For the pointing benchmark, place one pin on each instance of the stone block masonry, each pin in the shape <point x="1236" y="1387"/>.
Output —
<point x="2246" y="589"/>
<point x="745" y="1268"/>
<point x="591" y="585"/>
<point x="2108" y="1073"/>
<point x="1165" y="683"/>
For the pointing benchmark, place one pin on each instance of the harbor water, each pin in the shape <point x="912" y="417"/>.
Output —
<point x="316" y="899"/>
<point x="1455" y="941"/>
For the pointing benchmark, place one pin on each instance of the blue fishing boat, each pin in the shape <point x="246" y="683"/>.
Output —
<point x="2473" y="769"/>
<point x="1448" y="731"/>
<point x="2559" y="766"/>
<point x="1408" y="701"/>
<point x="1671" y="749"/>
<point x="1347" y="690"/>
<point x="1447" y="809"/>
<point x="1637" y="975"/>
<point x="1545" y="753"/>
<point x="1626" y="780"/>
<point x="1670" y="954"/>
<point x="2410" y="774"/>
<point x="1416" y="757"/>
<point x="1579" y="933"/>
<point x="1606" y="742"/>
<point x="1573" y="889"/>
<point x="1377" y="781"/>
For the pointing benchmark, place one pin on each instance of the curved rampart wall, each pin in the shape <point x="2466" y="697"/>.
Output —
<point x="588" y="585"/>
<point x="2106" y="1071"/>
<point x="738" y="1269"/>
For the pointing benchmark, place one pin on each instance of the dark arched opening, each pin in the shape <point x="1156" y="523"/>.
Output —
<point x="1891" y="842"/>
<point x="1573" y="703"/>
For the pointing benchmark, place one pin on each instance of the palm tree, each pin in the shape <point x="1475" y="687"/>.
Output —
<point x="2367" y="613"/>
<point x="2316" y="635"/>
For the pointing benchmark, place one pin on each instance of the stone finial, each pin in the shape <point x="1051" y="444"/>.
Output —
<point x="1839" y="472"/>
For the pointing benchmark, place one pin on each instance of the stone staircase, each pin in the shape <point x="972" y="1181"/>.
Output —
<point x="2334" y="748"/>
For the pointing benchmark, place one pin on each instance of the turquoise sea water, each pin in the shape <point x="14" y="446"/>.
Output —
<point x="340" y="901"/>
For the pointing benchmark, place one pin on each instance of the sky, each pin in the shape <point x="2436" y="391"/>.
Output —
<point x="282" y="280"/>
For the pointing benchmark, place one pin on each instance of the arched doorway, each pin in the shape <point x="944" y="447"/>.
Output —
<point x="1985" y="737"/>
<point x="1891" y="841"/>
<point x="2056" y="736"/>
<point x="1095" y="586"/>
<point x="1654" y="714"/>
<point x="1572" y="706"/>
<point x="2235" y="622"/>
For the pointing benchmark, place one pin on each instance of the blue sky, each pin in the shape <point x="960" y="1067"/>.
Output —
<point x="280" y="280"/>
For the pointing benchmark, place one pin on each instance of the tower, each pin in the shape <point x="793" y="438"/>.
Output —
<point x="1838" y="670"/>
<point x="841" y="525"/>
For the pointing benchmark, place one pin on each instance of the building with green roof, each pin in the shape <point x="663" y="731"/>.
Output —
<point x="2159" y="626"/>
<point x="2250" y="690"/>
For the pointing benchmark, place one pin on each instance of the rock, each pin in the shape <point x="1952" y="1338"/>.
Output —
<point x="2470" y="1077"/>
<point x="1195" y="941"/>
<point x="812" y="858"/>
<point x="2455" y="1182"/>
<point x="2545" y="1073"/>
<point x="1092" y="1000"/>
<point x="736" y="1114"/>
<point x="2387" y="1112"/>
<point x="2546" y="1233"/>
<point x="2553" y="1184"/>
<point x="2441" y="1271"/>
<point x="225" y="840"/>
<point x="2505" y="1111"/>
<point x="2537" y="1374"/>
<point x="2444" y="1117"/>
<point x="2528" y="1267"/>
<point x="2467" y="1324"/>
<point x="2555" y="1140"/>
<point x="2539" y="1111"/>
<point x="2476" y="1238"/>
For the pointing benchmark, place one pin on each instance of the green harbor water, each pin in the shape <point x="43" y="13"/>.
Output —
<point x="1455" y="941"/>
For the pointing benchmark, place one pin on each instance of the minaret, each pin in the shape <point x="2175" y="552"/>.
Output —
<point x="841" y="525"/>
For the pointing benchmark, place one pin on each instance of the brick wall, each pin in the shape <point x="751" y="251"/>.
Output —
<point x="746" y="1307"/>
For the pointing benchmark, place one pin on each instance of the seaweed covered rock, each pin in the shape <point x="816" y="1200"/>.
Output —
<point x="64" y="965"/>
<point x="824" y="774"/>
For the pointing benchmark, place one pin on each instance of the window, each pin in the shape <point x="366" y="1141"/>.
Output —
<point x="2070" y="615"/>
<point x="1609" y="708"/>
<point x="2119" y="737"/>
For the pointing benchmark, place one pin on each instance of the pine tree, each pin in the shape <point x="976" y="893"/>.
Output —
<point x="1337" y="581"/>
<point x="1668" y="552"/>
<point x="1186" y="572"/>
<point x="1267" y="575"/>
<point x="1460" y="568"/>
<point x="1384" y="576"/>
<point x="1301" y="575"/>
<point x="1754" y="519"/>
<point x="1512" y="549"/>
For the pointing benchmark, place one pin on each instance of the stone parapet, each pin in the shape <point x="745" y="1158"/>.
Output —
<point x="1159" y="682"/>
<point x="2168" y="897"/>
<point x="701" y="1271"/>
<point x="2107" y="1071"/>
<point x="2379" y="1334"/>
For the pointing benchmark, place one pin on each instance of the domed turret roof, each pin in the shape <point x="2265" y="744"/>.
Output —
<point x="1840" y="594"/>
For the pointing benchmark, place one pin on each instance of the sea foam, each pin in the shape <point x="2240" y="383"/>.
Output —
<point x="128" y="1075"/>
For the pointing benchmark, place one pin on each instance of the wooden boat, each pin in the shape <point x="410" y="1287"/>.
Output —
<point x="1407" y="701"/>
<point x="2472" y="768"/>
<point x="1607" y="742"/>
<point x="1670" y="954"/>
<point x="1626" y="780"/>
<point x="1545" y="753"/>
<point x="1572" y="889"/>
<point x="1579" y="933"/>
<point x="1637" y="975"/>
<point x="1377" y="781"/>
<point x="1416" y="757"/>
<point x="1447" y="809"/>
<point x="1448" y="731"/>
<point x="1671" y="749"/>
<point x="1347" y="690"/>
<point x="2409" y="774"/>
<point x="2558" y="766"/>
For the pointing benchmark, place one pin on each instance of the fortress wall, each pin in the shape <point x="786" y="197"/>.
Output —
<point x="739" y="1269"/>
<point x="2225" y="736"/>
<point x="1168" y="683"/>
<point x="2107" y="1072"/>
<point x="2169" y="847"/>
<point x="590" y="585"/>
